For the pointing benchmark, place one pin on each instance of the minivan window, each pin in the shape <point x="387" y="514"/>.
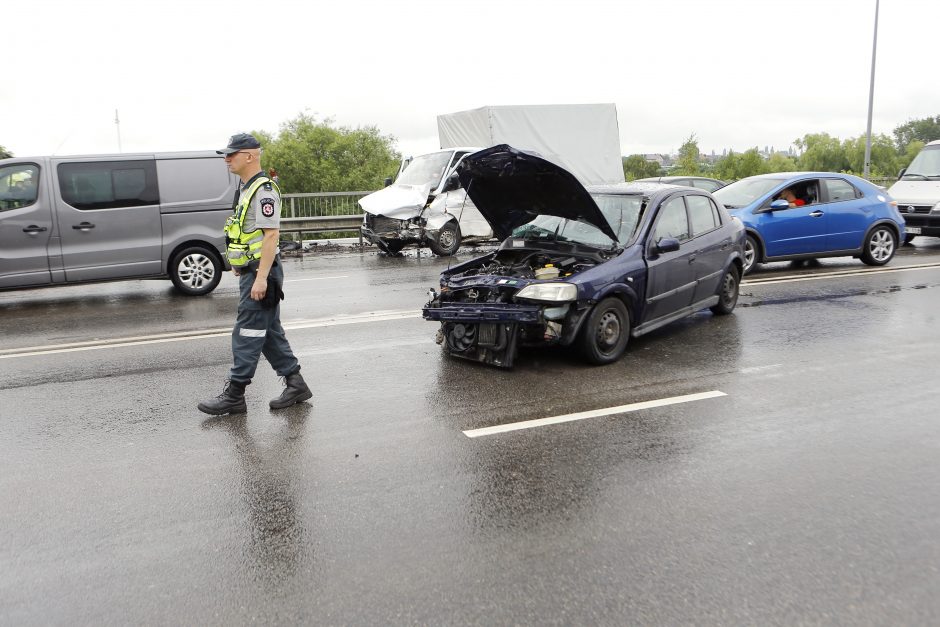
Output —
<point x="19" y="185"/>
<point x="109" y="184"/>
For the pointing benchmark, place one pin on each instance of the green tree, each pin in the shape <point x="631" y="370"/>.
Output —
<point x="923" y="130"/>
<point x="885" y="160"/>
<point x="315" y="156"/>
<point x="4" y="153"/>
<point x="778" y="162"/>
<point x="905" y="158"/>
<point x="821" y="153"/>
<point x="688" y="162"/>
<point x="637" y="167"/>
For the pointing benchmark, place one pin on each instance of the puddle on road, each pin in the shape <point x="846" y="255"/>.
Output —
<point x="824" y="297"/>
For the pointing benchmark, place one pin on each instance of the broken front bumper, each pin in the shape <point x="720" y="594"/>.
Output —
<point x="485" y="332"/>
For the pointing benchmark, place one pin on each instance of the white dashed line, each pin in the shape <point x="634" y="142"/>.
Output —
<point x="596" y="413"/>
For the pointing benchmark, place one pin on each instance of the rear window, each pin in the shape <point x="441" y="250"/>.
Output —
<point x="108" y="184"/>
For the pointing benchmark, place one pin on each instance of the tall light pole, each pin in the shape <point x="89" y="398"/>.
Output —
<point x="871" y="96"/>
<point x="117" y="123"/>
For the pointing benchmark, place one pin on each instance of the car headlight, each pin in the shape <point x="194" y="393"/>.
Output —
<point x="936" y="208"/>
<point x="553" y="292"/>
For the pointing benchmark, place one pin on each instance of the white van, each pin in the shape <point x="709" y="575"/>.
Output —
<point x="66" y="220"/>
<point x="918" y="193"/>
<point x="424" y="206"/>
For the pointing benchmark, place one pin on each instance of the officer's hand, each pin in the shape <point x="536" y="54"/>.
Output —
<point x="236" y="272"/>
<point x="258" y="289"/>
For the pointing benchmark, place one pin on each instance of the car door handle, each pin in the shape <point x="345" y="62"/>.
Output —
<point x="32" y="229"/>
<point x="84" y="226"/>
<point x="817" y="214"/>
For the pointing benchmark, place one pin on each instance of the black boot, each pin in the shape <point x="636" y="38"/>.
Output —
<point x="230" y="401"/>
<point x="295" y="392"/>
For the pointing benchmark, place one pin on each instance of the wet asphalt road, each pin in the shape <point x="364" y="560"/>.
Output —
<point x="807" y="493"/>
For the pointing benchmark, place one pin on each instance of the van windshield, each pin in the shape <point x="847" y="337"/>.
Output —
<point x="425" y="169"/>
<point x="925" y="166"/>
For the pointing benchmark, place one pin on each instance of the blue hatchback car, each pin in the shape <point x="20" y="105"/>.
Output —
<point x="589" y="267"/>
<point x="806" y="215"/>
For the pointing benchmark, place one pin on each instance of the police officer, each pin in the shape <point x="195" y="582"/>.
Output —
<point x="252" y="233"/>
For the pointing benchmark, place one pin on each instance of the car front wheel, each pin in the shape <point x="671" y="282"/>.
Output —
<point x="751" y="252"/>
<point x="728" y="294"/>
<point x="605" y="332"/>
<point x="879" y="246"/>
<point x="195" y="271"/>
<point x="447" y="240"/>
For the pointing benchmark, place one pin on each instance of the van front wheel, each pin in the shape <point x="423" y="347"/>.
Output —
<point x="447" y="240"/>
<point x="195" y="270"/>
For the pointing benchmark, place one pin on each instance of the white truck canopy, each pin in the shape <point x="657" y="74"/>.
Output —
<point x="582" y="138"/>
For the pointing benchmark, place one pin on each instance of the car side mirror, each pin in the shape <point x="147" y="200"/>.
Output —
<point x="452" y="183"/>
<point x="780" y="203"/>
<point x="388" y="181"/>
<point x="901" y="173"/>
<point x="667" y="245"/>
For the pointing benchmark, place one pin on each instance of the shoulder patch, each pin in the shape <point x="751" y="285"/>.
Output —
<point x="267" y="187"/>
<point x="267" y="207"/>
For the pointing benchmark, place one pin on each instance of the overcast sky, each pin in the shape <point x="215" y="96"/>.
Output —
<point x="186" y="75"/>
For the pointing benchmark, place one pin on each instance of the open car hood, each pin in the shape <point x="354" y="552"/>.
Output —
<point x="511" y="187"/>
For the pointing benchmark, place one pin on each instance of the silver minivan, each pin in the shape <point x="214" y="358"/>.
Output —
<point x="66" y="220"/>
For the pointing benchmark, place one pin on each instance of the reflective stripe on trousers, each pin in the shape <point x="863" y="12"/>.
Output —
<point x="257" y="332"/>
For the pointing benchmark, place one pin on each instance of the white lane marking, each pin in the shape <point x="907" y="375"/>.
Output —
<point x="754" y="369"/>
<point x="317" y="278"/>
<point x="834" y="275"/>
<point x="596" y="413"/>
<point x="32" y="351"/>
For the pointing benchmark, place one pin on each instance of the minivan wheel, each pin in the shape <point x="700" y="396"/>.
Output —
<point x="728" y="293"/>
<point x="447" y="240"/>
<point x="880" y="245"/>
<point x="751" y="253"/>
<point x="606" y="331"/>
<point x="195" y="271"/>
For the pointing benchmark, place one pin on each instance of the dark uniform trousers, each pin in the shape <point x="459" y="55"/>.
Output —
<point x="258" y="331"/>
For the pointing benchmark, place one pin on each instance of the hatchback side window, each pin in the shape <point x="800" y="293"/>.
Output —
<point x="701" y="214"/>
<point x="109" y="184"/>
<point x="839" y="189"/>
<point x="19" y="185"/>
<point x="672" y="221"/>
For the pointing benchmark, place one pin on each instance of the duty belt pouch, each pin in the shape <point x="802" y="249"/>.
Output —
<point x="273" y="295"/>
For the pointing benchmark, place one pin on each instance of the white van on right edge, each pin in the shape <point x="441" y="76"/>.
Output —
<point x="918" y="193"/>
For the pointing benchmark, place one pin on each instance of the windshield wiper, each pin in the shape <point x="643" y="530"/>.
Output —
<point x="920" y="177"/>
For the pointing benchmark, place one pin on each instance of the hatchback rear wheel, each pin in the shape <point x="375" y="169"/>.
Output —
<point x="880" y="245"/>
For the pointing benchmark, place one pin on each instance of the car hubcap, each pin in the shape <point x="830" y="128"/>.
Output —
<point x="446" y="239"/>
<point x="881" y="245"/>
<point x="196" y="270"/>
<point x="748" y="254"/>
<point x="608" y="331"/>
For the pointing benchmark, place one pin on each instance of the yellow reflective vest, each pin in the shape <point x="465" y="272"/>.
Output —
<point x="243" y="248"/>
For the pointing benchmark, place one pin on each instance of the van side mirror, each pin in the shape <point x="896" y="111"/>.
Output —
<point x="667" y="245"/>
<point x="778" y="204"/>
<point x="388" y="181"/>
<point x="452" y="183"/>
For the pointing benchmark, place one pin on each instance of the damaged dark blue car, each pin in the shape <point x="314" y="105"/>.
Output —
<point x="580" y="266"/>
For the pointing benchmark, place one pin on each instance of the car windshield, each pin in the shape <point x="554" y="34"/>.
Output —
<point x="425" y="169"/>
<point x="621" y="211"/>
<point x="926" y="165"/>
<point x="744" y="192"/>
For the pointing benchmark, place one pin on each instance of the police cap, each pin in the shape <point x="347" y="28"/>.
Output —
<point x="239" y="141"/>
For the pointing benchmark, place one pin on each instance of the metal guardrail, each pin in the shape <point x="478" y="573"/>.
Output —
<point x="322" y="212"/>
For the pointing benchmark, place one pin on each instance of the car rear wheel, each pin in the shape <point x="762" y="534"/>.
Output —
<point x="605" y="332"/>
<point x="751" y="253"/>
<point x="195" y="271"/>
<point x="728" y="294"/>
<point x="447" y="240"/>
<point x="880" y="245"/>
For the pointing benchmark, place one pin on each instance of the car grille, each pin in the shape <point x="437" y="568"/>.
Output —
<point x="906" y="209"/>
<point x="921" y="220"/>
<point x="381" y="224"/>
